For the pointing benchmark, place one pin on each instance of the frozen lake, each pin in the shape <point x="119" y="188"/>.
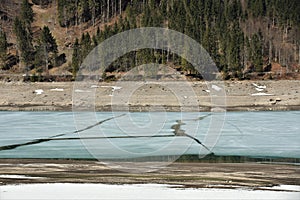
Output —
<point x="258" y="134"/>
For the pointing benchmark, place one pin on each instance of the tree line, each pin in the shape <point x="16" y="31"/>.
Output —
<point x="222" y="27"/>
<point x="74" y="12"/>
<point x="242" y="36"/>
<point x="35" y="53"/>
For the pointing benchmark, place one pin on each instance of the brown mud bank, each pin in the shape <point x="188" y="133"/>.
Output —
<point x="187" y="174"/>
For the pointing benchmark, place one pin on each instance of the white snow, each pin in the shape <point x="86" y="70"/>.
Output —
<point x="259" y="86"/>
<point x="284" y="187"/>
<point x="112" y="87"/>
<point x="139" y="191"/>
<point x="11" y="176"/>
<point x="81" y="91"/>
<point x="261" y="94"/>
<point x="39" y="91"/>
<point x="259" y="89"/>
<point x="116" y="88"/>
<point x="215" y="87"/>
<point x="57" y="90"/>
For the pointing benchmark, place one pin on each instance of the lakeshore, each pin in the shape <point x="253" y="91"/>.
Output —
<point x="249" y="175"/>
<point x="278" y="95"/>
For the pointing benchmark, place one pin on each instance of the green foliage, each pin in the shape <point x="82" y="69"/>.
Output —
<point x="3" y="42"/>
<point x="217" y="25"/>
<point x="86" y="45"/>
<point x="67" y="12"/>
<point x="26" y="13"/>
<point x="48" y="41"/>
<point x="235" y="48"/>
<point x="22" y="30"/>
<point x="76" y="60"/>
<point x="257" y="55"/>
<point x="3" y="49"/>
<point x="257" y="7"/>
<point x="42" y="2"/>
<point x="46" y="50"/>
<point x="281" y="11"/>
<point x="24" y="41"/>
<point x="81" y="49"/>
<point x="131" y="16"/>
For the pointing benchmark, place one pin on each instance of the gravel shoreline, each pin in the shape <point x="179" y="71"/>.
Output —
<point x="279" y="95"/>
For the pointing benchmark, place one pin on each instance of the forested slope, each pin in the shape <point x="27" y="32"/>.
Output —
<point x="245" y="38"/>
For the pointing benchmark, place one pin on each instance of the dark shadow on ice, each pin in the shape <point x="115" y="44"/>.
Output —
<point x="179" y="132"/>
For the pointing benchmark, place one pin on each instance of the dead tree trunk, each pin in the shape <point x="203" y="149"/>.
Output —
<point x="107" y="14"/>
<point x="120" y="7"/>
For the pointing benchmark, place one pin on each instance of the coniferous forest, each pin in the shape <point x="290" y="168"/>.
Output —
<point x="245" y="38"/>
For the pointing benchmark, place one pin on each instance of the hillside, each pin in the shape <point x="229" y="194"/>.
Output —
<point x="248" y="39"/>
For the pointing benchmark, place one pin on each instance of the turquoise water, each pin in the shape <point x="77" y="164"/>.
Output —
<point x="258" y="134"/>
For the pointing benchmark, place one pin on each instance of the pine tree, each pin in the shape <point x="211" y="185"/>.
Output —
<point x="26" y="13"/>
<point x="234" y="10"/>
<point x="85" y="12"/>
<point x="95" y="41"/>
<point x="93" y="4"/>
<point x="3" y="49"/>
<point x="86" y="45"/>
<point x="76" y="61"/>
<point x="217" y="24"/>
<point x="24" y="41"/>
<point x="257" y="55"/>
<point x="235" y="48"/>
<point x="22" y="29"/>
<point x="48" y="41"/>
<point x="46" y="49"/>
<point x="131" y="17"/>
<point x="40" y="60"/>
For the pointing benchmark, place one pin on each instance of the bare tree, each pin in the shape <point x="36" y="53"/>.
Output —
<point x="120" y="6"/>
<point x="107" y="14"/>
<point x="93" y="7"/>
<point x="76" y="20"/>
<point x="115" y="7"/>
<point x="299" y="55"/>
